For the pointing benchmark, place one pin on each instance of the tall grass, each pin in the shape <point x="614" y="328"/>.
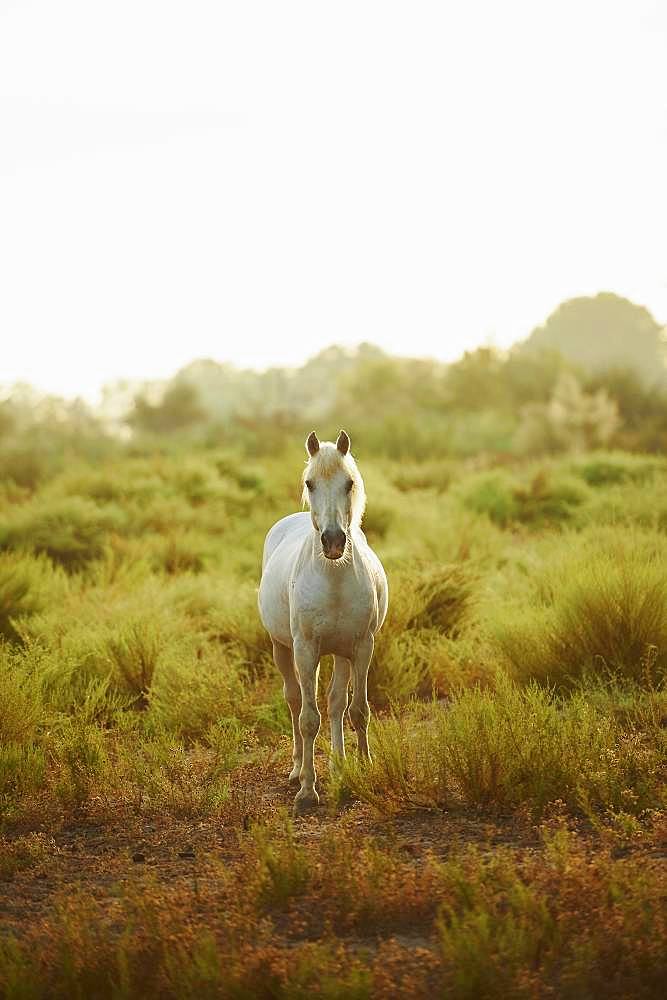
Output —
<point x="19" y="594"/>
<point x="558" y="923"/>
<point x="519" y="675"/>
<point x="541" y="499"/>
<point x="609" y="468"/>
<point x="70" y="531"/>
<point x="509" y="747"/>
<point x="597" y="606"/>
<point x="129" y="591"/>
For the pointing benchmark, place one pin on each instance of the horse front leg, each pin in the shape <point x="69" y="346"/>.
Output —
<point x="284" y="660"/>
<point x="360" y="712"/>
<point x="306" y="657"/>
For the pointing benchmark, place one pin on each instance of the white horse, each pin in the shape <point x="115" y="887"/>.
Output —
<point x="323" y="591"/>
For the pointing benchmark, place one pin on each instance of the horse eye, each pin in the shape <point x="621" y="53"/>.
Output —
<point x="348" y="485"/>
<point x="310" y="485"/>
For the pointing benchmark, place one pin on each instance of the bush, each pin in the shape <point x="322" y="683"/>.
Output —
<point x="599" y="609"/>
<point x="377" y="521"/>
<point x="572" y="420"/>
<point x="418" y="651"/>
<point x="504" y="748"/>
<point x="282" y="869"/>
<point x="134" y="654"/>
<point x="25" y="466"/>
<point x="22" y="772"/>
<point x="21" y="592"/>
<point x="188" y="697"/>
<point x="612" y="468"/>
<point x="443" y="594"/>
<point x="491" y="493"/>
<point x="557" y="922"/>
<point x="411" y="476"/>
<point x="161" y="774"/>
<point x="70" y="531"/>
<point x="23" y="853"/>
<point x="545" y="499"/>
<point x="20" y="698"/>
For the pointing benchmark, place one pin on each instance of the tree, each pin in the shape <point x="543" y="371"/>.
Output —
<point x="178" y="409"/>
<point x="572" y="420"/>
<point x="476" y="382"/>
<point x="603" y="333"/>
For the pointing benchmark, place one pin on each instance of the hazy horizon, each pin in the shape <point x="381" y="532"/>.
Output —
<point x="254" y="184"/>
<point x="94" y="396"/>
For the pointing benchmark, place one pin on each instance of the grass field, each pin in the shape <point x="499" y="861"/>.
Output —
<point x="509" y="838"/>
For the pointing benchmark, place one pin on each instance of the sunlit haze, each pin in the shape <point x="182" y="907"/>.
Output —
<point x="252" y="182"/>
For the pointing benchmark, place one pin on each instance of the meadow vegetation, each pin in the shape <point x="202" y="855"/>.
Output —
<point x="508" y="838"/>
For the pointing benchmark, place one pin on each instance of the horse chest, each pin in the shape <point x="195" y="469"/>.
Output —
<point x="334" y="608"/>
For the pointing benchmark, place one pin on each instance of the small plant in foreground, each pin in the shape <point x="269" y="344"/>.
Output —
<point x="283" y="870"/>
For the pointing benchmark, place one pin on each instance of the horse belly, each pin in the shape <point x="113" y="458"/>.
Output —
<point x="338" y="642"/>
<point x="273" y="597"/>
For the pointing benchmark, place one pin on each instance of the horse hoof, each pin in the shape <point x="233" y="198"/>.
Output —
<point x="294" y="776"/>
<point x="306" y="802"/>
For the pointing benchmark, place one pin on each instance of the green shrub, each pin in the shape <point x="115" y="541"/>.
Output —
<point x="423" y="646"/>
<point x="100" y="486"/>
<point x="20" y="699"/>
<point x="600" y="608"/>
<point x="190" y="696"/>
<point x="630" y="503"/>
<point x="491" y="493"/>
<point x="443" y="595"/>
<point x="377" y="521"/>
<point x="134" y="653"/>
<point x="543" y="500"/>
<point x="184" y="553"/>
<point x="548" y="500"/>
<point x="556" y="923"/>
<point x="503" y="748"/>
<point x="22" y="773"/>
<point x="20" y="592"/>
<point x="282" y="863"/>
<point x="434" y="476"/>
<point x="160" y="773"/>
<point x="493" y="931"/>
<point x="26" y="466"/>
<point x="607" y="469"/>
<point x="83" y="762"/>
<point x="70" y="531"/>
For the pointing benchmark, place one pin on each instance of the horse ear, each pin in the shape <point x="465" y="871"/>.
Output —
<point x="343" y="443"/>
<point x="312" y="444"/>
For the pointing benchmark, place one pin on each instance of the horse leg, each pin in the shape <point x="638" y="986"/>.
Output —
<point x="360" y="712"/>
<point x="306" y="657"/>
<point x="337" y="703"/>
<point x="284" y="660"/>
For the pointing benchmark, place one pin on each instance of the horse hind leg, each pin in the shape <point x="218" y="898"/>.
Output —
<point x="284" y="660"/>
<point x="360" y="712"/>
<point x="337" y="696"/>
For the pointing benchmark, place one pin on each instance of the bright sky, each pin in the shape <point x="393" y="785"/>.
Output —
<point x="254" y="181"/>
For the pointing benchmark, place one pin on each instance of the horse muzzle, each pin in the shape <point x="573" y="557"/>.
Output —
<point x="333" y="541"/>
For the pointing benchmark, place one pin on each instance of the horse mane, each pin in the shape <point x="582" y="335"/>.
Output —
<point x="324" y="464"/>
